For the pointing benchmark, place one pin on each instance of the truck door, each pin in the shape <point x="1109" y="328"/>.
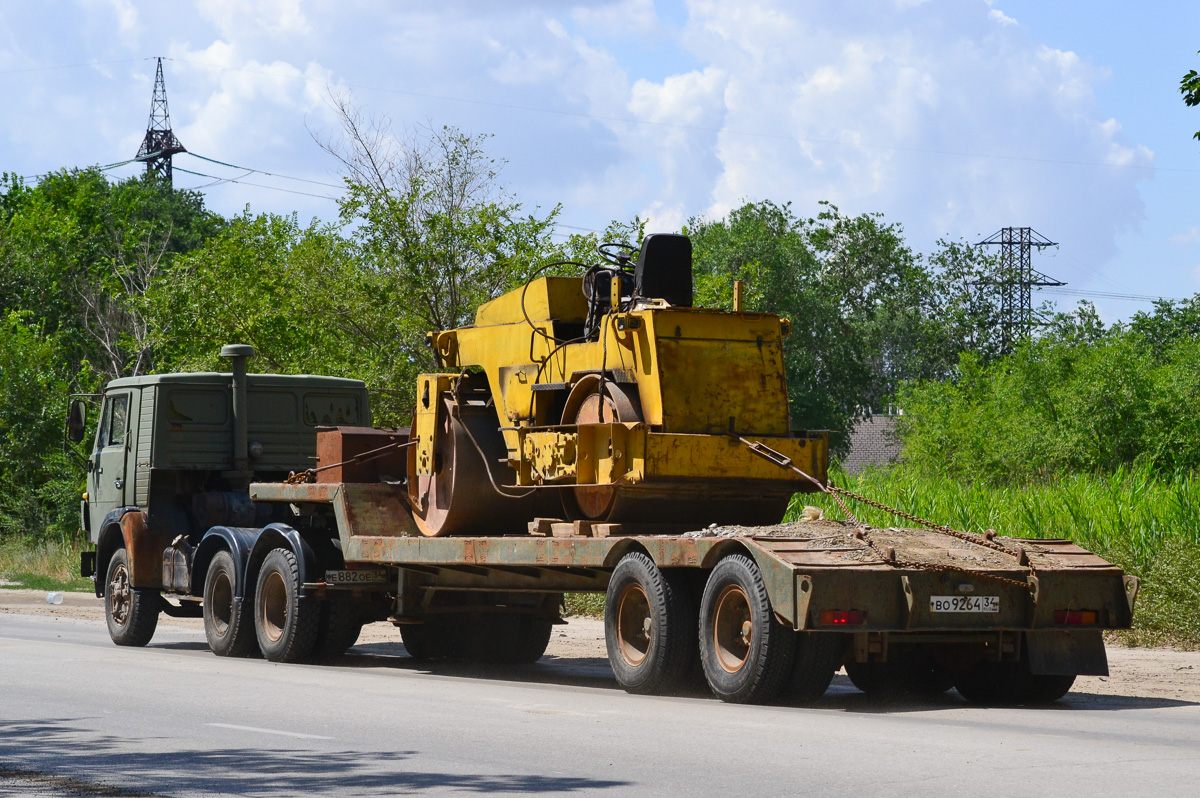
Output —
<point x="106" y="478"/>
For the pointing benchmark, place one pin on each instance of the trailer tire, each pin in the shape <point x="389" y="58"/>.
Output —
<point x="818" y="656"/>
<point x="747" y="654"/>
<point x="131" y="613"/>
<point x="905" y="674"/>
<point x="533" y="635"/>
<point x="285" y="623"/>
<point x="429" y="640"/>
<point x="228" y="624"/>
<point x="338" y="629"/>
<point x="993" y="683"/>
<point x="649" y="629"/>
<point x="1046" y="689"/>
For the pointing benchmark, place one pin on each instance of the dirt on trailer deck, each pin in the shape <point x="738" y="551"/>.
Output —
<point x="915" y="547"/>
<point x="1136" y="672"/>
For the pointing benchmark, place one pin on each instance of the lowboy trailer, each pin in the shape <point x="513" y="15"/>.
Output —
<point x="588" y="434"/>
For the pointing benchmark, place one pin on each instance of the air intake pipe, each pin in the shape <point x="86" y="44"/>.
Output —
<point x="238" y="354"/>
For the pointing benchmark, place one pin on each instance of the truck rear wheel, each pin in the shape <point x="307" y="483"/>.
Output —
<point x="285" y="624"/>
<point x="131" y="613"/>
<point x="228" y="623"/>
<point x="649" y="627"/>
<point x="747" y="655"/>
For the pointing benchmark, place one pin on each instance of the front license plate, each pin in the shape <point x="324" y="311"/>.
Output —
<point x="356" y="576"/>
<point x="964" y="604"/>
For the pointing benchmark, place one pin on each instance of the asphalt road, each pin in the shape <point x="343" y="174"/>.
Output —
<point x="81" y="717"/>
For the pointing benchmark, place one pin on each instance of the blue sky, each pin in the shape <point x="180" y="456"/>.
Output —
<point x="953" y="118"/>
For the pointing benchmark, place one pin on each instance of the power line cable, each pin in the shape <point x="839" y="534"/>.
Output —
<point x="256" y="185"/>
<point x="72" y="66"/>
<point x="263" y="172"/>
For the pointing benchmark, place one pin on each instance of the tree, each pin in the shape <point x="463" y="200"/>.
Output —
<point x="431" y="216"/>
<point x="1189" y="87"/>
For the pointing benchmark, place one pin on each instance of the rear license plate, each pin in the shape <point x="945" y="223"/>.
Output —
<point x="356" y="576"/>
<point x="964" y="604"/>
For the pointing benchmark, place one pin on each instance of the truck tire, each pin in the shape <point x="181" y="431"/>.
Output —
<point x="228" y="624"/>
<point x="285" y="624"/>
<point x="649" y="628"/>
<point x="338" y="629"/>
<point x="746" y="653"/>
<point x="818" y="656"/>
<point x="131" y="613"/>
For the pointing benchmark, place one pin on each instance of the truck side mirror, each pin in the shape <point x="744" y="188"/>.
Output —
<point x="76" y="421"/>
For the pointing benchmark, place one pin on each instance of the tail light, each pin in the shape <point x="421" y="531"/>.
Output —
<point x="843" y="618"/>
<point x="1075" y="616"/>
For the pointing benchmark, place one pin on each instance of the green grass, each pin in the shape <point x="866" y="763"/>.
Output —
<point x="590" y="605"/>
<point x="1148" y="525"/>
<point x="42" y="565"/>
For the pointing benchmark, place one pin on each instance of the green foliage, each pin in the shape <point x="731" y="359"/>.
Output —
<point x="1148" y="525"/>
<point x="1189" y="87"/>
<point x="858" y="299"/>
<point x="40" y="485"/>
<point x="1080" y="399"/>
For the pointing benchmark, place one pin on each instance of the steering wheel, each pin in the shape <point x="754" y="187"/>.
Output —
<point x="617" y="253"/>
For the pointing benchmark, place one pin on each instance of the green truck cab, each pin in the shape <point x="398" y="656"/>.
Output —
<point x="168" y="478"/>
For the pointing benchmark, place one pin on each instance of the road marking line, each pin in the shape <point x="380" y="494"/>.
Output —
<point x="268" y="731"/>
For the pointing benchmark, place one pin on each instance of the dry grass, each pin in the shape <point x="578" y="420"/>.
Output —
<point x="42" y="565"/>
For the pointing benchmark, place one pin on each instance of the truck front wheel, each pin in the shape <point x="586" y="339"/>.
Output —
<point x="747" y="655"/>
<point x="285" y="623"/>
<point x="228" y="623"/>
<point x="131" y="613"/>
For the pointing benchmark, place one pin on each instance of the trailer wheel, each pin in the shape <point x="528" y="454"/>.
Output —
<point x="906" y="673"/>
<point x="1045" y="689"/>
<point x="429" y="640"/>
<point x="649" y="628"/>
<point x="338" y="628"/>
<point x="131" y="613"/>
<point x="993" y="683"/>
<point x="228" y="624"/>
<point x="746" y="653"/>
<point x="285" y="624"/>
<point x="818" y="655"/>
<point x="533" y="635"/>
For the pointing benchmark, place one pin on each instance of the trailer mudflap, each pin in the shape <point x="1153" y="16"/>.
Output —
<point x="1067" y="652"/>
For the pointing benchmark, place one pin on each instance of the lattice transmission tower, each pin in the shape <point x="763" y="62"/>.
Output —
<point x="1017" y="279"/>
<point x="160" y="142"/>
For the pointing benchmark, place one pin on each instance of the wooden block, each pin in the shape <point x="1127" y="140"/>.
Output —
<point x="541" y="527"/>
<point x="571" y="529"/>
<point x="607" y="530"/>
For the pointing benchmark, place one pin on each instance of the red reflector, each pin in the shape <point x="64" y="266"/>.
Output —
<point x="843" y="618"/>
<point x="1074" y="616"/>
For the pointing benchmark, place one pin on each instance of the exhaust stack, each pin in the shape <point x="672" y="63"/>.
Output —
<point x="239" y="354"/>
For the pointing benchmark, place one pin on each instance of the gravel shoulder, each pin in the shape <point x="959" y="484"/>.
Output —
<point x="1134" y="672"/>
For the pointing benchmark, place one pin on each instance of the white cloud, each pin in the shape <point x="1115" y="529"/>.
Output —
<point x="277" y="17"/>
<point x="636" y="17"/>
<point x="1189" y="236"/>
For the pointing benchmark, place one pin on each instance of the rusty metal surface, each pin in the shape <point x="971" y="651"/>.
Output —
<point x="340" y="453"/>
<point x="145" y="548"/>
<point x="808" y="567"/>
